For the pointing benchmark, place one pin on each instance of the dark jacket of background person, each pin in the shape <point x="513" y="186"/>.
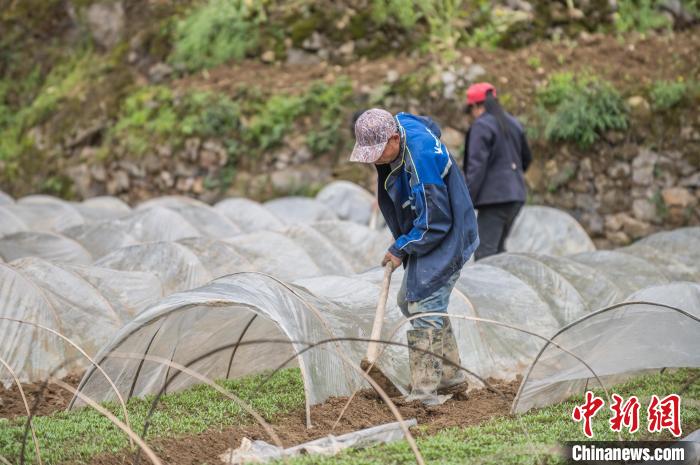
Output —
<point x="426" y="205"/>
<point x="494" y="162"/>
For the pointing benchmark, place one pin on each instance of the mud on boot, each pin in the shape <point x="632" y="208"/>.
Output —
<point x="454" y="379"/>
<point x="424" y="357"/>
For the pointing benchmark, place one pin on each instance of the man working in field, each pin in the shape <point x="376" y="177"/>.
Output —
<point x="426" y="204"/>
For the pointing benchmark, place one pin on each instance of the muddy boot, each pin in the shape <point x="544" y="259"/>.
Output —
<point x="454" y="379"/>
<point x="426" y="368"/>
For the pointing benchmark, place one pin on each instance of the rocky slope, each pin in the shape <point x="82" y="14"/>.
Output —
<point x="117" y="103"/>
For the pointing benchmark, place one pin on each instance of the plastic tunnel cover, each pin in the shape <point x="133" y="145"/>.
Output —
<point x="276" y="254"/>
<point x="564" y="301"/>
<point x="628" y="272"/>
<point x="325" y="255"/>
<point x="185" y="326"/>
<point x="546" y="230"/>
<point x="102" y="238"/>
<point x="508" y="351"/>
<point x="5" y="199"/>
<point x="52" y="247"/>
<point x="248" y="215"/>
<point x="348" y="200"/>
<point x="47" y="216"/>
<point x="30" y="351"/>
<point x="615" y="342"/>
<point x="218" y="257"/>
<point x="86" y="315"/>
<point x="174" y="264"/>
<point x="300" y="210"/>
<point x="597" y="290"/>
<point x="10" y="223"/>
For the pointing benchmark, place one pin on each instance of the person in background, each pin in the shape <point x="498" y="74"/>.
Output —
<point x="496" y="155"/>
<point x="426" y="204"/>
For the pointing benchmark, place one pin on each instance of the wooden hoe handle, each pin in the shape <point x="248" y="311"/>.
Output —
<point x="373" y="347"/>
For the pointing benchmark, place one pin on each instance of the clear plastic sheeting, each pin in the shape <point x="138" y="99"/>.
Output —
<point x="168" y="201"/>
<point x="102" y="208"/>
<point x="615" y="343"/>
<point x="553" y="288"/>
<point x="101" y="238"/>
<point x="156" y="224"/>
<point x="5" y="199"/>
<point x="549" y="231"/>
<point x="349" y="201"/>
<point x="10" y="223"/>
<point x="681" y="243"/>
<point x="129" y="292"/>
<point x="80" y="303"/>
<point x="52" y="247"/>
<point x="630" y="273"/>
<point x="300" y="210"/>
<point x="275" y="254"/>
<point x="209" y="222"/>
<point x="218" y="257"/>
<point x="596" y="289"/>
<point x="174" y="264"/>
<point x="248" y="215"/>
<point x="530" y="296"/>
<point x="243" y="308"/>
<point x="46" y="215"/>
<point x="362" y="246"/>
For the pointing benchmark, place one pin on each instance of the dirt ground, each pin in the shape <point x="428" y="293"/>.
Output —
<point x="631" y="64"/>
<point x="365" y="410"/>
<point x="54" y="398"/>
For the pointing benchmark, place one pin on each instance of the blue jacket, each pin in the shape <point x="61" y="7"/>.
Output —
<point x="427" y="207"/>
<point x="493" y="163"/>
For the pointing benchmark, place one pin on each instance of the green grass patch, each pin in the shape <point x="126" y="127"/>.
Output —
<point x="157" y="114"/>
<point x="65" y="82"/>
<point x="530" y="438"/>
<point x="579" y="108"/>
<point x="641" y="16"/>
<point x="665" y="95"/>
<point x="81" y="434"/>
<point x="216" y="32"/>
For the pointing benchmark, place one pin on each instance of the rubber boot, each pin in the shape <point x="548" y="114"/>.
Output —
<point x="426" y="368"/>
<point x="453" y="379"/>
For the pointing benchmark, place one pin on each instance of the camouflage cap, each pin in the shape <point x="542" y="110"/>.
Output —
<point x="372" y="132"/>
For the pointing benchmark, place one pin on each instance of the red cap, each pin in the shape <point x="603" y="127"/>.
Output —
<point x="477" y="92"/>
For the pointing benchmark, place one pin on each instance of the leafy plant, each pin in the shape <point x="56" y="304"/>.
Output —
<point x="189" y="412"/>
<point x="273" y="120"/>
<point x="218" y="31"/>
<point x="579" y="109"/>
<point x="331" y="100"/>
<point x="667" y="94"/>
<point x="65" y="81"/>
<point x="640" y="15"/>
<point x="156" y="113"/>
<point x="404" y="10"/>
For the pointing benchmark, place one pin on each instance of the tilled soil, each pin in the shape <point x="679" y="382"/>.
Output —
<point x="53" y="398"/>
<point x="366" y="410"/>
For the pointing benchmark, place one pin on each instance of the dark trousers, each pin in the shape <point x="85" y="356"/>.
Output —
<point x="495" y="221"/>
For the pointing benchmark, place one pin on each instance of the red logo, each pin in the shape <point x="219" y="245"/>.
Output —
<point x="625" y="414"/>
<point x="661" y="413"/>
<point x="587" y="411"/>
<point x="665" y="414"/>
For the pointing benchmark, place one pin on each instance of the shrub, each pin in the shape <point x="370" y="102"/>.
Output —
<point x="218" y="31"/>
<point x="667" y="94"/>
<point x="332" y="101"/>
<point x="273" y="120"/>
<point x="640" y="15"/>
<point x="64" y="82"/>
<point x="579" y="109"/>
<point x="155" y="114"/>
